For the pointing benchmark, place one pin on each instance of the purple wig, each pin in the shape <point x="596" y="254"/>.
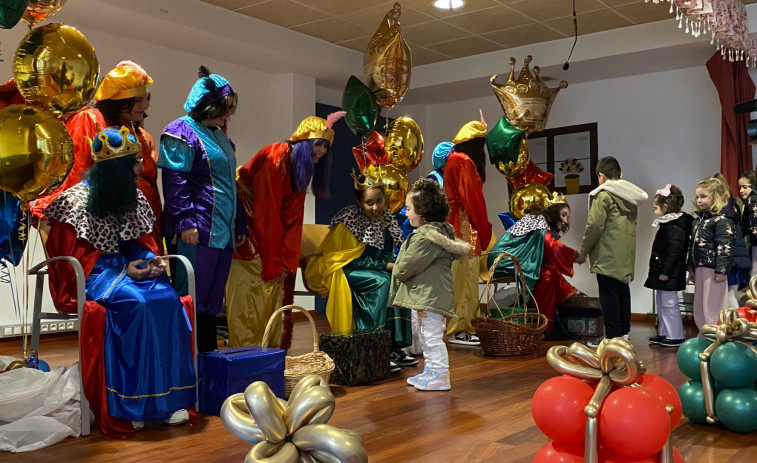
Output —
<point x="304" y="170"/>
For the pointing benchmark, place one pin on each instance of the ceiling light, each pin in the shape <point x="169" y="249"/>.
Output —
<point x="448" y="4"/>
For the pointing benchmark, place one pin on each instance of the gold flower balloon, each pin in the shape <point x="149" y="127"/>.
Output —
<point x="526" y="101"/>
<point x="513" y="169"/>
<point x="36" y="152"/>
<point x="56" y="66"/>
<point x="293" y="431"/>
<point x="404" y="144"/>
<point x="39" y="10"/>
<point x="395" y="183"/>
<point x="387" y="62"/>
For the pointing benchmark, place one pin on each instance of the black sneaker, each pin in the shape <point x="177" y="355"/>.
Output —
<point x="402" y="359"/>
<point x="464" y="338"/>
<point x="394" y="368"/>
<point x="656" y="339"/>
<point x="671" y="342"/>
<point x="594" y="343"/>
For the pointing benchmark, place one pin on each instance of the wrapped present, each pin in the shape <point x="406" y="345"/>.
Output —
<point x="360" y="357"/>
<point x="226" y="372"/>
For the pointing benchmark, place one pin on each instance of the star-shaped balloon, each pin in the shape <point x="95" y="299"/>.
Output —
<point x="293" y="431"/>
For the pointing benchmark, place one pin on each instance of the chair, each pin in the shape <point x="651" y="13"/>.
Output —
<point x="40" y="270"/>
<point x="312" y="237"/>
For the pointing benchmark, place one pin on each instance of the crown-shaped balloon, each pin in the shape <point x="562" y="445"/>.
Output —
<point x="113" y="143"/>
<point x="368" y="180"/>
<point x="527" y="100"/>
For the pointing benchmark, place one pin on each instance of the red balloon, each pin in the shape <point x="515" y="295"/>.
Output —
<point x="665" y="391"/>
<point x="531" y="174"/>
<point x="748" y="313"/>
<point x="552" y="452"/>
<point x="633" y="422"/>
<point x="371" y="152"/>
<point x="615" y="458"/>
<point x="558" y="408"/>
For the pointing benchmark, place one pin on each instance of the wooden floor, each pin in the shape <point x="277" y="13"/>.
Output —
<point x="486" y="417"/>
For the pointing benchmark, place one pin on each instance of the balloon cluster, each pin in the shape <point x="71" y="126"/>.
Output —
<point x="526" y="102"/>
<point x="723" y="370"/>
<point x="386" y="68"/>
<point x="291" y="431"/>
<point x="604" y="408"/>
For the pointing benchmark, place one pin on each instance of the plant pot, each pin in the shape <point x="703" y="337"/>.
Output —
<point x="572" y="184"/>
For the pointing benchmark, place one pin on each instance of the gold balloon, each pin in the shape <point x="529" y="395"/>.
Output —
<point x="15" y="365"/>
<point x="329" y="443"/>
<point x="513" y="169"/>
<point x="395" y="182"/>
<point x="36" y="152"/>
<point x="39" y="10"/>
<point x="404" y="144"/>
<point x="527" y="100"/>
<point x="529" y="198"/>
<point x="56" y="66"/>
<point x="387" y="62"/>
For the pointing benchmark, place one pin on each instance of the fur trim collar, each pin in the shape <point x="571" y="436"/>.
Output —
<point x="623" y="189"/>
<point x="442" y="237"/>
<point x="666" y="218"/>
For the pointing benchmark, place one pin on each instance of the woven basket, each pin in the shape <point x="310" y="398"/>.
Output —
<point x="515" y="334"/>
<point x="297" y="367"/>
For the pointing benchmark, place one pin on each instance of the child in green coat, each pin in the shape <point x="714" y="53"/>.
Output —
<point x="422" y="278"/>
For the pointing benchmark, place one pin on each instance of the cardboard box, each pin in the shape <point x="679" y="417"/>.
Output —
<point x="226" y="372"/>
<point x="360" y="357"/>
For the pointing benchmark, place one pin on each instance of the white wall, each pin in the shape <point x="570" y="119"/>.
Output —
<point x="663" y="128"/>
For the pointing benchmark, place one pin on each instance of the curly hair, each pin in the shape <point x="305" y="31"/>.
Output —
<point x="429" y="201"/>
<point x="552" y="215"/>
<point x="673" y="202"/>
<point x="719" y="194"/>
<point x="113" y="187"/>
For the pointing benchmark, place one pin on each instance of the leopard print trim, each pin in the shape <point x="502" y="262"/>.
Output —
<point x="366" y="230"/>
<point x="103" y="233"/>
<point x="528" y="224"/>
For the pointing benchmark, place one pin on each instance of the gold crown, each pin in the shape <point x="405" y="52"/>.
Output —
<point x="526" y="101"/>
<point x="369" y="180"/>
<point x="556" y="198"/>
<point x="102" y="149"/>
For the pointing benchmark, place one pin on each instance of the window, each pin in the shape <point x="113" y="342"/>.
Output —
<point x="549" y="148"/>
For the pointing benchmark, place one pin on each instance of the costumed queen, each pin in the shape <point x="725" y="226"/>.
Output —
<point x="106" y="223"/>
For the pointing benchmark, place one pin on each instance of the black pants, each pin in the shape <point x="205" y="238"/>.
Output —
<point x="207" y="338"/>
<point x="615" y="300"/>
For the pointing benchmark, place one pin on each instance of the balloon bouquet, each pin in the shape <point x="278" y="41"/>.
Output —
<point x="55" y="72"/>
<point x="604" y="408"/>
<point x="526" y="103"/>
<point x="722" y="366"/>
<point x="386" y="68"/>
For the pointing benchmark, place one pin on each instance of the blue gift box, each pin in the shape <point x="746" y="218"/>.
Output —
<point x="226" y="372"/>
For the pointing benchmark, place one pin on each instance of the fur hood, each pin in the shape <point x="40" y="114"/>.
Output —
<point x="622" y="189"/>
<point x="443" y="234"/>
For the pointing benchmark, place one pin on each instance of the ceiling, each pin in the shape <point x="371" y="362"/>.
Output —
<point x="436" y="35"/>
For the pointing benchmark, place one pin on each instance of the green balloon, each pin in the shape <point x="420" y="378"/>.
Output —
<point x="733" y="365"/>
<point x="11" y="12"/>
<point x="737" y="409"/>
<point x="692" y="402"/>
<point x="503" y="141"/>
<point x="361" y="109"/>
<point x="688" y="356"/>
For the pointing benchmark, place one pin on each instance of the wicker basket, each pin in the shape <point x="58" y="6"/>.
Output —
<point x="296" y="368"/>
<point x="515" y="334"/>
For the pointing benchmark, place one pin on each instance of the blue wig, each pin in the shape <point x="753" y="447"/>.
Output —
<point x="304" y="171"/>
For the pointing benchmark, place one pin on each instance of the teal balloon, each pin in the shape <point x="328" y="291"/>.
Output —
<point x="692" y="402"/>
<point x="733" y="365"/>
<point x="11" y="12"/>
<point x="737" y="409"/>
<point x="503" y="141"/>
<point x="358" y="101"/>
<point x="688" y="357"/>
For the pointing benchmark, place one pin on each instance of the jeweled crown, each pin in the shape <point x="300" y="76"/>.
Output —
<point x="112" y="143"/>
<point x="368" y="180"/>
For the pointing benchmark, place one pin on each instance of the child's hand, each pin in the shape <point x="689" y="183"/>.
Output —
<point x="389" y="266"/>
<point x="719" y="277"/>
<point x="663" y="278"/>
<point x="580" y="258"/>
<point x="690" y="278"/>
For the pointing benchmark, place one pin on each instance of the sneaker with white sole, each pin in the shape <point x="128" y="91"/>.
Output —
<point x="138" y="425"/>
<point x="414" y="379"/>
<point x="178" y="417"/>
<point x="436" y="381"/>
<point x="394" y="368"/>
<point x="671" y="342"/>
<point x="402" y="359"/>
<point x="594" y="343"/>
<point x="464" y="338"/>
<point x="627" y="337"/>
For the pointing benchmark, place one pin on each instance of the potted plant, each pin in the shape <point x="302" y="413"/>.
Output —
<point x="571" y="167"/>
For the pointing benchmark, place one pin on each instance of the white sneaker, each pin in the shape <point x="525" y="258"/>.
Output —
<point x="436" y="381"/>
<point x="464" y="338"/>
<point x="626" y="337"/>
<point x="138" y="425"/>
<point x="414" y="379"/>
<point x="178" y="417"/>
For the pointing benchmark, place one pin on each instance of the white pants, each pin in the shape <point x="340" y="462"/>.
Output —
<point x="415" y="348"/>
<point x="709" y="297"/>
<point x="754" y="259"/>
<point x="669" y="315"/>
<point x="431" y="333"/>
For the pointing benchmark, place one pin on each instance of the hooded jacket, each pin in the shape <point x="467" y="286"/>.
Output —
<point x="669" y="251"/>
<point x="610" y="236"/>
<point x="422" y="274"/>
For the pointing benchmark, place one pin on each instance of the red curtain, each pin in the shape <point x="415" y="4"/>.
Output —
<point x="734" y="85"/>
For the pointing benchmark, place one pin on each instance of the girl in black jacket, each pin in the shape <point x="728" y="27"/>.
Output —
<point x="667" y="264"/>
<point x="748" y="193"/>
